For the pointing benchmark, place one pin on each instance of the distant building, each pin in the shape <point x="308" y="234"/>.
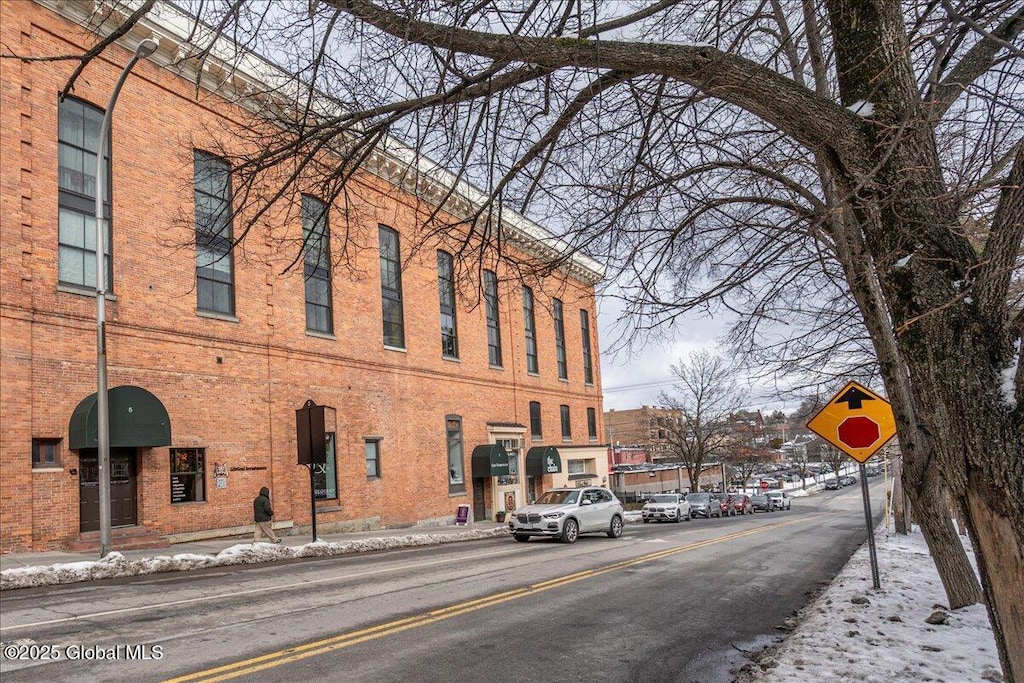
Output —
<point x="647" y="427"/>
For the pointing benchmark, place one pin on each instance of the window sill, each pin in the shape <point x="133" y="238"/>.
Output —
<point x="533" y="374"/>
<point x="451" y="359"/>
<point x="84" y="291"/>
<point x="190" y="502"/>
<point x="399" y="349"/>
<point x="576" y="477"/>
<point x="214" y="315"/>
<point x="48" y="468"/>
<point x="321" y="335"/>
<point x="563" y="380"/>
<point x="329" y="508"/>
<point x="496" y="367"/>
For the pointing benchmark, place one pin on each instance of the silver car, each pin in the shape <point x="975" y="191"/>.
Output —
<point x="666" y="507"/>
<point x="780" y="499"/>
<point x="564" y="514"/>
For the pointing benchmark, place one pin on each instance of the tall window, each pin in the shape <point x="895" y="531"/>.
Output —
<point x="556" y="311"/>
<point x="371" y="448"/>
<point x="536" y="430"/>
<point x="493" y="322"/>
<point x="188" y="475"/>
<point x="456" y="475"/>
<point x="446" y="294"/>
<point x="391" y="288"/>
<point x="316" y="265"/>
<point x="592" y="423"/>
<point x="566" y="423"/>
<point x="325" y="476"/>
<point x="588" y="362"/>
<point x="530" y="326"/>
<point x="215" y="283"/>
<point x="77" y="141"/>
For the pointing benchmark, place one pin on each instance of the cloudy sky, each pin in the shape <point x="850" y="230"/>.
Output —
<point x="633" y="375"/>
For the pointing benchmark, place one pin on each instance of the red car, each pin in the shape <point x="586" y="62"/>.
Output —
<point x="724" y="502"/>
<point x="741" y="504"/>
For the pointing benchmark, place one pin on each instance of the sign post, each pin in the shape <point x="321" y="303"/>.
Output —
<point x="858" y="422"/>
<point x="311" y="439"/>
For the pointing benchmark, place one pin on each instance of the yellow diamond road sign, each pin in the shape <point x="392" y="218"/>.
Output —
<point x="857" y="421"/>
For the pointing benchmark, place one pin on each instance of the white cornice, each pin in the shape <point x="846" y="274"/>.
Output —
<point x="242" y="76"/>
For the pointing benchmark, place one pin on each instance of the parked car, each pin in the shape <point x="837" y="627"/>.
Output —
<point x="564" y="514"/>
<point x="848" y="480"/>
<point x="666" y="507"/>
<point x="723" y="503"/>
<point x="702" y="505"/>
<point x="741" y="504"/>
<point x="833" y="484"/>
<point x="780" y="500"/>
<point x="760" y="501"/>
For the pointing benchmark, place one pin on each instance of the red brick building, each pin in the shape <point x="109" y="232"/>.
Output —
<point x="210" y="352"/>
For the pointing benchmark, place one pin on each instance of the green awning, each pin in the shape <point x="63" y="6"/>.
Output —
<point x="137" y="420"/>
<point x="541" y="460"/>
<point x="490" y="460"/>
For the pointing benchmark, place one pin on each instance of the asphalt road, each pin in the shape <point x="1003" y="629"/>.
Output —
<point x="666" y="602"/>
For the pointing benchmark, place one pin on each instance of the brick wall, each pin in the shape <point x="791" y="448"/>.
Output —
<point x="232" y="386"/>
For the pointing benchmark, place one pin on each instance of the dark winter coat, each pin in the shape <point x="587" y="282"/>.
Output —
<point x="261" y="510"/>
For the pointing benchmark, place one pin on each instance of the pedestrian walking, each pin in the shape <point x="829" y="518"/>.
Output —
<point x="263" y="515"/>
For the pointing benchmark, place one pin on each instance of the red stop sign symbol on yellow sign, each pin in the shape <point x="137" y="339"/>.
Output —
<point x="857" y="421"/>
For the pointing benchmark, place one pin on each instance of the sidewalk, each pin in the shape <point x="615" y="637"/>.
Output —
<point x="23" y="570"/>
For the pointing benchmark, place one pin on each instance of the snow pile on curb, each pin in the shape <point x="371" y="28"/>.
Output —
<point x="115" y="564"/>
<point x="900" y="632"/>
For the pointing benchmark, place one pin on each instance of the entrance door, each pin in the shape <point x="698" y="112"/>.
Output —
<point x="123" y="489"/>
<point x="479" y="504"/>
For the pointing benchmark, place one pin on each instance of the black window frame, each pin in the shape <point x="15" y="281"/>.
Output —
<point x="316" y="265"/>
<point x="558" y="315"/>
<point x="392" y="307"/>
<point x="454" y="441"/>
<point x="592" y="424"/>
<point x="446" y="298"/>
<point x="375" y="459"/>
<point x="79" y="201"/>
<point x="536" y="421"/>
<point x="530" y="331"/>
<point x="214" y="245"/>
<point x="588" y="358"/>
<point x="493" y="314"/>
<point x="566" y="416"/>
<point x="45" y="446"/>
<point x="198" y="475"/>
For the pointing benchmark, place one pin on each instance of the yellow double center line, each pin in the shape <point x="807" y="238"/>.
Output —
<point x="319" y="647"/>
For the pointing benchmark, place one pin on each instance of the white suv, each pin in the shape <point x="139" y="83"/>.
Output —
<point x="564" y="514"/>
<point x="779" y="499"/>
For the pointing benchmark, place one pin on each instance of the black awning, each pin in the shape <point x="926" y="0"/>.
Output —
<point x="490" y="460"/>
<point x="137" y="419"/>
<point x="541" y="460"/>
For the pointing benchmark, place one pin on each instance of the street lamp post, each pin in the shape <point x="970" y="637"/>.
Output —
<point x="144" y="49"/>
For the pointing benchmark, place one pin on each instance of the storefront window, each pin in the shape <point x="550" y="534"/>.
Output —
<point x="456" y="476"/>
<point x="188" y="475"/>
<point x="512" y="446"/>
<point x="325" y="477"/>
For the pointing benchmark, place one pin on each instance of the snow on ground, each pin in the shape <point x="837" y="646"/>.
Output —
<point x="855" y="633"/>
<point x="115" y="564"/>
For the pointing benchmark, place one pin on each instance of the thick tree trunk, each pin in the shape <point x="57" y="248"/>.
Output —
<point x="999" y="561"/>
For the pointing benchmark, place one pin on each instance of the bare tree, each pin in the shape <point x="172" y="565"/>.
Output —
<point x="847" y="176"/>
<point x="706" y="392"/>
<point x="746" y="458"/>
